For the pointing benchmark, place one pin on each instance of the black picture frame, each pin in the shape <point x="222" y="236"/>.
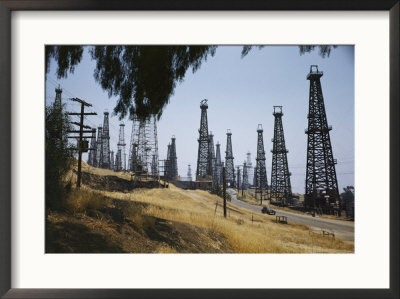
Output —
<point x="6" y="7"/>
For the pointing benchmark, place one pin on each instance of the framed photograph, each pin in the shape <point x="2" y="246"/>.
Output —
<point x="199" y="149"/>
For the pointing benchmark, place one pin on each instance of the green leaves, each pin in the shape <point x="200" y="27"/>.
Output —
<point x="144" y="77"/>
<point x="67" y="57"/>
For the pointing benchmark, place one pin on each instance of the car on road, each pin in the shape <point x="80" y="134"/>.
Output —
<point x="268" y="210"/>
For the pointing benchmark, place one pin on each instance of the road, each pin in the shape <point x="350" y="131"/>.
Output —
<point x="343" y="229"/>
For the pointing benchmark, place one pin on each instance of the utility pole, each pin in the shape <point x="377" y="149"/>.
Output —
<point x="83" y="145"/>
<point x="224" y="189"/>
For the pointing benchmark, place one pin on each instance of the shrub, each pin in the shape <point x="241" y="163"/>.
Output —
<point x="79" y="201"/>
<point x="58" y="156"/>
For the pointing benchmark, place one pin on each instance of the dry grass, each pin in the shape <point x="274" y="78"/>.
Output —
<point x="245" y="231"/>
<point x="83" y="200"/>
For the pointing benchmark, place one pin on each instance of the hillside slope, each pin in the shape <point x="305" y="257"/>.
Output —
<point x="109" y="215"/>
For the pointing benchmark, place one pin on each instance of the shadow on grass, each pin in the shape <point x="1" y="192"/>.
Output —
<point x="67" y="237"/>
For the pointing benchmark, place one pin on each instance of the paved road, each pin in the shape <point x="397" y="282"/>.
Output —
<point x="342" y="229"/>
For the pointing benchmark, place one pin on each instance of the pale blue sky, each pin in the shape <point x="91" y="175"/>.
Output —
<point x="240" y="93"/>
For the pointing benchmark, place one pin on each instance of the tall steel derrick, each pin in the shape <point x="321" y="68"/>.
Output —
<point x="173" y="163"/>
<point x="238" y="177"/>
<point x="112" y="160"/>
<point x="281" y="189"/>
<point x="260" y="173"/>
<point x="99" y="147"/>
<point x="203" y="156"/>
<point x="167" y="162"/>
<point x="189" y="173"/>
<point x="212" y="159"/>
<point x="245" y="181"/>
<point x="105" y="157"/>
<point x="230" y="169"/>
<point x="92" y="150"/>
<point x="133" y="146"/>
<point x="249" y="168"/>
<point x="143" y="154"/>
<point x="154" y="166"/>
<point x="57" y="101"/>
<point x="218" y="165"/>
<point x="321" y="181"/>
<point x="120" y="165"/>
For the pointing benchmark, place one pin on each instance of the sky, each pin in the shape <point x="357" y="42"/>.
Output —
<point x="241" y="93"/>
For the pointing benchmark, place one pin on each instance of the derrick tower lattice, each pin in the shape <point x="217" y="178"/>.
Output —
<point x="239" y="178"/>
<point x="121" y="148"/>
<point x="148" y="147"/>
<point x="105" y="161"/>
<point x="99" y="146"/>
<point x="249" y="167"/>
<point x="245" y="182"/>
<point x="218" y="164"/>
<point x="203" y="160"/>
<point x="189" y="173"/>
<point x="112" y="160"/>
<point x="212" y="159"/>
<point x="260" y="172"/>
<point x="57" y="101"/>
<point x="281" y="189"/>
<point x="133" y="147"/>
<point x="92" y="150"/>
<point x="173" y="163"/>
<point x="321" y="181"/>
<point x="230" y="169"/>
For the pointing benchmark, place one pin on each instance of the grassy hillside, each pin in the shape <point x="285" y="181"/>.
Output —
<point x="103" y="217"/>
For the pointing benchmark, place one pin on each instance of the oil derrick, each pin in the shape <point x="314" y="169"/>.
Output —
<point x="260" y="172"/>
<point x="212" y="158"/>
<point x="57" y="101"/>
<point x="218" y="165"/>
<point x="281" y="190"/>
<point x="92" y="151"/>
<point x="189" y="173"/>
<point x="133" y="146"/>
<point x="58" y="107"/>
<point x="112" y="160"/>
<point x="245" y="181"/>
<point x="154" y="166"/>
<point x="239" y="178"/>
<point x="99" y="146"/>
<point x="173" y="163"/>
<point x="167" y="163"/>
<point x="230" y="169"/>
<point x="105" y="162"/>
<point x="147" y="147"/>
<point x="321" y="181"/>
<point x="203" y="161"/>
<point x="121" y="148"/>
<point x="249" y="167"/>
<point x="118" y="161"/>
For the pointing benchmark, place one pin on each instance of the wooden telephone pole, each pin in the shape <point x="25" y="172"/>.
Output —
<point x="83" y="145"/>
